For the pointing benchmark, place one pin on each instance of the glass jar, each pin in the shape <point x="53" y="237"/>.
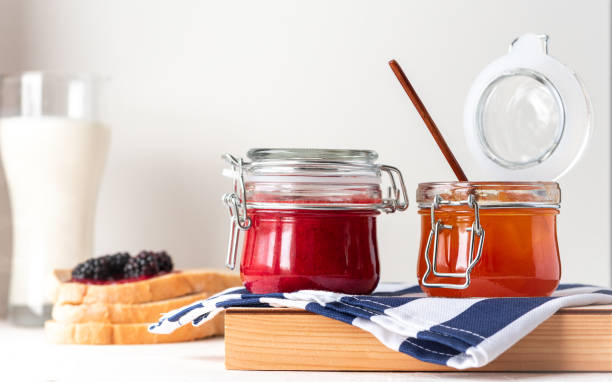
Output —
<point x="309" y="218"/>
<point x="520" y="256"/>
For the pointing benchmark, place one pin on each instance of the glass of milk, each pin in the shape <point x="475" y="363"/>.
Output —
<point x="53" y="145"/>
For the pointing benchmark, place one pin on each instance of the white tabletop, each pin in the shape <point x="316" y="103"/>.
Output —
<point x="25" y="356"/>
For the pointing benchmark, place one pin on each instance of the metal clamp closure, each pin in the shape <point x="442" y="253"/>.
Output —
<point x="436" y="227"/>
<point x="237" y="206"/>
<point x="397" y="197"/>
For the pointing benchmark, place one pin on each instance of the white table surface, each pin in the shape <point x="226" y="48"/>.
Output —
<point x="26" y="356"/>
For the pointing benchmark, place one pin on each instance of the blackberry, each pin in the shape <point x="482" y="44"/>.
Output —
<point x="82" y="271"/>
<point x="97" y="268"/>
<point x="164" y="262"/>
<point x="117" y="263"/>
<point x="145" y="264"/>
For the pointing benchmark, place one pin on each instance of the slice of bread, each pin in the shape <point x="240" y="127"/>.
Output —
<point x="121" y="313"/>
<point x="157" y="288"/>
<point x="98" y="333"/>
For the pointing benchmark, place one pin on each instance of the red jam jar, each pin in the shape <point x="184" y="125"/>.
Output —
<point x="309" y="218"/>
<point x="518" y="258"/>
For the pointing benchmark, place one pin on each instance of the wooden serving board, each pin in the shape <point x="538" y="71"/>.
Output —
<point x="574" y="339"/>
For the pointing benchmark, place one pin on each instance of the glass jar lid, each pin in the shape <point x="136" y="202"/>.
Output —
<point x="491" y="194"/>
<point x="315" y="179"/>
<point x="312" y="165"/>
<point x="313" y="155"/>
<point x="527" y="116"/>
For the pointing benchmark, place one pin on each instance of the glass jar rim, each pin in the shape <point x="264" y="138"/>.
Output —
<point x="492" y="194"/>
<point x="305" y="164"/>
<point x="312" y="154"/>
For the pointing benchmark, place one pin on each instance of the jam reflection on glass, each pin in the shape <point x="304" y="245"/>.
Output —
<point x="520" y="256"/>
<point x="289" y="250"/>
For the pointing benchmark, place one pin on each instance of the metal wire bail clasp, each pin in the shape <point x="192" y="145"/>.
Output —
<point x="237" y="206"/>
<point x="436" y="227"/>
<point x="397" y="197"/>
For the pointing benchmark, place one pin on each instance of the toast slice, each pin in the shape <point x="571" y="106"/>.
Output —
<point x="121" y="313"/>
<point x="157" y="288"/>
<point x="98" y="333"/>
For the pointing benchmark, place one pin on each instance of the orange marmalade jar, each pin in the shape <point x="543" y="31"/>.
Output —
<point x="488" y="239"/>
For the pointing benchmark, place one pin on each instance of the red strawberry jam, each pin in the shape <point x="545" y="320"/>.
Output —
<point x="289" y="250"/>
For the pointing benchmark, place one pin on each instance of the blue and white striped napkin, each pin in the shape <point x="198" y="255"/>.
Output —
<point x="460" y="333"/>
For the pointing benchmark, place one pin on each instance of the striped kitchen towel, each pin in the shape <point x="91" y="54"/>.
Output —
<point x="460" y="333"/>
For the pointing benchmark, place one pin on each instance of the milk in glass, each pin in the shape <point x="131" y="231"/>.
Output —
<point x="53" y="161"/>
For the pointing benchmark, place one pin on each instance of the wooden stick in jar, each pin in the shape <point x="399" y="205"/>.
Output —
<point x="429" y="122"/>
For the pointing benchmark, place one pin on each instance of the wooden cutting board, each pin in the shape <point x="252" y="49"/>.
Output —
<point x="574" y="339"/>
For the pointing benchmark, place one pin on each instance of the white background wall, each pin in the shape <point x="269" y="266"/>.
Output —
<point x="194" y="79"/>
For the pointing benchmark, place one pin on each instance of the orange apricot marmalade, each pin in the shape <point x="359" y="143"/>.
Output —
<point x="520" y="254"/>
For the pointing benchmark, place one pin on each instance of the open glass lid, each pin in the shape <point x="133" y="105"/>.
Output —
<point x="527" y="116"/>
